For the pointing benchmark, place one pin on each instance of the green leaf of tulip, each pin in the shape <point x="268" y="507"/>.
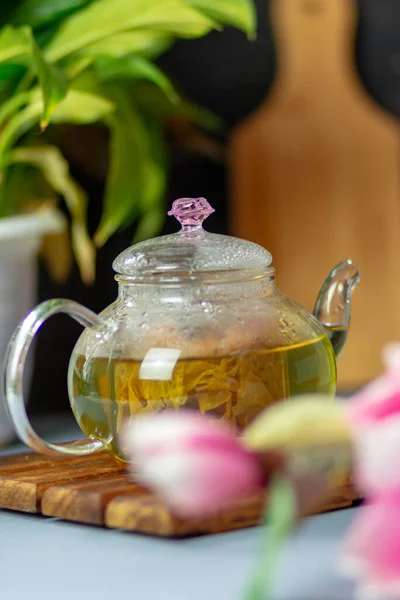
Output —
<point x="279" y="520"/>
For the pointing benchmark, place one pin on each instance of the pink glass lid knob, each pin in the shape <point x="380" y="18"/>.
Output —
<point x="191" y="212"/>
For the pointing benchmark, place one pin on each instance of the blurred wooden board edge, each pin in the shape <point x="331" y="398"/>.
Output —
<point x="95" y="490"/>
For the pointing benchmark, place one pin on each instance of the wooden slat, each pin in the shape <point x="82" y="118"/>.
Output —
<point x="23" y="490"/>
<point x="96" y="490"/>
<point x="29" y="461"/>
<point x="86" y="501"/>
<point x="144" y="513"/>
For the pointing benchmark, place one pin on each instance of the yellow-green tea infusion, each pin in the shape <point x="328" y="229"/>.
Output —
<point x="107" y="392"/>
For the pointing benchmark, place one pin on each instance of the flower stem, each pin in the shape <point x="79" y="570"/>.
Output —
<point x="280" y="514"/>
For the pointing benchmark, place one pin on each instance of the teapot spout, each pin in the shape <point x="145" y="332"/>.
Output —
<point x="332" y="308"/>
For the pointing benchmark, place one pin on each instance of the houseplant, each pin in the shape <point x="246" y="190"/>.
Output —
<point x="86" y="62"/>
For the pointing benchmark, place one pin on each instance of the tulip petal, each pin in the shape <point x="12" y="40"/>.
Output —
<point x="147" y="434"/>
<point x="391" y="357"/>
<point x="195" y="463"/>
<point x="376" y="401"/>
<point x="381" y="398"/>
<point x="195" y="484"/>
<point x="301" y="422"/>
<point x="372" y="550"/>
<point x="377" y="456"/>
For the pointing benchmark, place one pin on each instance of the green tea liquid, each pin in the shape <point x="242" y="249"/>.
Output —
<point x="107" y="392"/>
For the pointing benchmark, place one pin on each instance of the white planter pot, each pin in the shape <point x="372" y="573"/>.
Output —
<point x="19" y="244"/>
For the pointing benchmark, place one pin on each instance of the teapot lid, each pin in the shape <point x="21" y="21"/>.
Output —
<point x="192" y="250"/>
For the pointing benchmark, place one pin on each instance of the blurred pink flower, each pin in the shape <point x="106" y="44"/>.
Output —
<point x="381" y="398"/>
<point x="372" y="550"/>
<point x="196" y="464"/>
<point x="374" y="417"/>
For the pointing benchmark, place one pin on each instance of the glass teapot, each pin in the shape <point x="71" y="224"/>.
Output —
<point x="198" y="323"/>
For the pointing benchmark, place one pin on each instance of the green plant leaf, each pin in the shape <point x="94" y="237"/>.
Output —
<point x="150" y="224"/>
<point x="279" y="520"/>
<point x="151" y="206"/>
<point x="236" y="13"/>
<point x="137" y="173"/>
<point x="24" y="188"/>
<point x="10" y="189"/>
<point x="88" y="81"/>
<point x="41" y="13"/>
<point x="104" y="18"/>
<point x="14" y="43"/>
<point x="43" y="36"/>
<point x="75" y="67"/>
<point x="12" y="71"/>
<point x="17" y="126"/>
<point x="78" y="107"/>
<point x="55" y="169"/>
<point x="12" y="105"/>
<point x="82" y="108"/>
<point x="146" y="42"/>
<point x="53" y="83"/>
<point x="125" y="177"/>
<point x="157" y="106"/>
<point x="136" y="67"/>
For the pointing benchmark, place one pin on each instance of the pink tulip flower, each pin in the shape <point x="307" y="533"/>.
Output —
<point x="372" y="550"/>
<point x="196" y="464"/>
<point x="374" y="418"/>
<point x="381" y="398"/>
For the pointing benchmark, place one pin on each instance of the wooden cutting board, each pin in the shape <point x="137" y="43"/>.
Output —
<point x="95" y="490"/>
<point x="315" y="176"/>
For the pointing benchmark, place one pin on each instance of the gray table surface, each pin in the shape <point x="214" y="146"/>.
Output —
<point x="44" y="558"/>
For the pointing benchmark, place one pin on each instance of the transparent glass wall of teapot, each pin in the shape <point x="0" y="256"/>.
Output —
<point x="198" y="324"/>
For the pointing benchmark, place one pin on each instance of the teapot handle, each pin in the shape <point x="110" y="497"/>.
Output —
<point x="13" y="370"/>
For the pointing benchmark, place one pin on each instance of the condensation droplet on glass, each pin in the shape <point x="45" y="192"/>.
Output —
<point x="206" y="306"/>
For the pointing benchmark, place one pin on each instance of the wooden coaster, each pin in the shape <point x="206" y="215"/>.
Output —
<point x="96" y="490"/>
